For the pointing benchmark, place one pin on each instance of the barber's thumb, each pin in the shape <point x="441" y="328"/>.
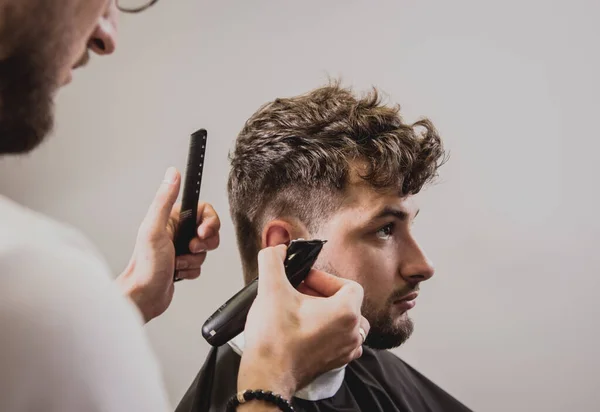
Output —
<point x="271" y="271"/>
<point x="164" y="199"/>
<point x="351" y="293"/>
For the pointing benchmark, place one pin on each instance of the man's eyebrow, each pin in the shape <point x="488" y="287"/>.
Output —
<point x="392" y="212"/>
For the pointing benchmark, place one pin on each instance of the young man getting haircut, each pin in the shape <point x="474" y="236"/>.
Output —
<point x="346" y="169"/>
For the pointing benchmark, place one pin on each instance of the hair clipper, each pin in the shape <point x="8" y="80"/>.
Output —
<point x="230" y="319"/>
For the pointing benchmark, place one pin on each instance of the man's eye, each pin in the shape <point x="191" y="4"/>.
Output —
<point x="386" y="231"/>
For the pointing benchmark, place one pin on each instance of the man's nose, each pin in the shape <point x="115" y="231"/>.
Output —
<point x="416" y="266"/>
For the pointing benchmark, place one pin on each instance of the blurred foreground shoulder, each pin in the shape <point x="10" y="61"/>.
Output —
<point x="70" y="341"/>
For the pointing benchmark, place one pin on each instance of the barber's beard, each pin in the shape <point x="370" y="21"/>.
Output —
<point x="26" y="108"/>
<point x="29" y="76"/>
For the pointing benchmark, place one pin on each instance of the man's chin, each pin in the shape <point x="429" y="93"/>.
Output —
<point x="390" y="334"/>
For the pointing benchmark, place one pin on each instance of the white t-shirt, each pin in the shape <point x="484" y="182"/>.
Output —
<point x="69" y="340"/>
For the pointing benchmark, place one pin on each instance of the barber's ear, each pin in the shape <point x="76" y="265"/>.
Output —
<point x="278" y="232"/>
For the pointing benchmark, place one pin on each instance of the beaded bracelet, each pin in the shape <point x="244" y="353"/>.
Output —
<point x="267" y="396"/>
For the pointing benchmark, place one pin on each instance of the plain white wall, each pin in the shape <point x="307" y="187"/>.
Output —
<point x="510" y="320"/>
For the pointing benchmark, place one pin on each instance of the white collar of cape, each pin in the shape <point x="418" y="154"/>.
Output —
<point x="323" y="387"/>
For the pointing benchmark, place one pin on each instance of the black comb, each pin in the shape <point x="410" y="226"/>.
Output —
<point x="186" y="230"/>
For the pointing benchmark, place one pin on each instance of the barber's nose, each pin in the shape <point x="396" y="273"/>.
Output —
<point x="417" y="267"/>
<point x="104" y="38"/>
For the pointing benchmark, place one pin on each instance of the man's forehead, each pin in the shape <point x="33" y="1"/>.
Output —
<point x="361" y="197"/>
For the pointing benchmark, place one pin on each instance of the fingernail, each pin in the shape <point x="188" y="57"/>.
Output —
<point x="199" y="248"/>
<point x="205" y="232"/>
<point x="182" y="264"/>
<point x="170" y="175"/>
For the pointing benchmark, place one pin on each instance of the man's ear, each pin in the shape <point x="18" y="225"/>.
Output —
<point x="278" y="232"/>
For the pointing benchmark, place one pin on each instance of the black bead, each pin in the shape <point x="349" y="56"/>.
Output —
<point x="232" y="405"/>
<point x="281" y="403"/>
<point x="249" y="395"/>
<point x="260" y="395"/>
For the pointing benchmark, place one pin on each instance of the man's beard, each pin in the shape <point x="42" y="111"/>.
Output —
<point x="386" y="332"/>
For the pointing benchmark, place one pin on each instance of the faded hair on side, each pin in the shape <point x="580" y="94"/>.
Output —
<point x="294" y="155"/>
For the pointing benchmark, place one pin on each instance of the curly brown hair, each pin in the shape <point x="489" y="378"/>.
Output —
<point x="294" y="155"/>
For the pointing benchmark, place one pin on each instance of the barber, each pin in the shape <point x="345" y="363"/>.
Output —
<point x="72" y="339"/>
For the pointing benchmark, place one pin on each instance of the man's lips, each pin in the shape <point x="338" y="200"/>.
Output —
<point x="406" y="302"/>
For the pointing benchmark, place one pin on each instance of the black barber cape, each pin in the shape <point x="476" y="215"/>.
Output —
<point x="377" y="381"/>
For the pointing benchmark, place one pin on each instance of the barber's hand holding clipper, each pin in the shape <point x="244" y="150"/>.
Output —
<point x="148" y="278"/>
<point x="293" y="337"/>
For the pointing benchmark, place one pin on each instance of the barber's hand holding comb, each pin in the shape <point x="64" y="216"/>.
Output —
<point x="148" y="278"/>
